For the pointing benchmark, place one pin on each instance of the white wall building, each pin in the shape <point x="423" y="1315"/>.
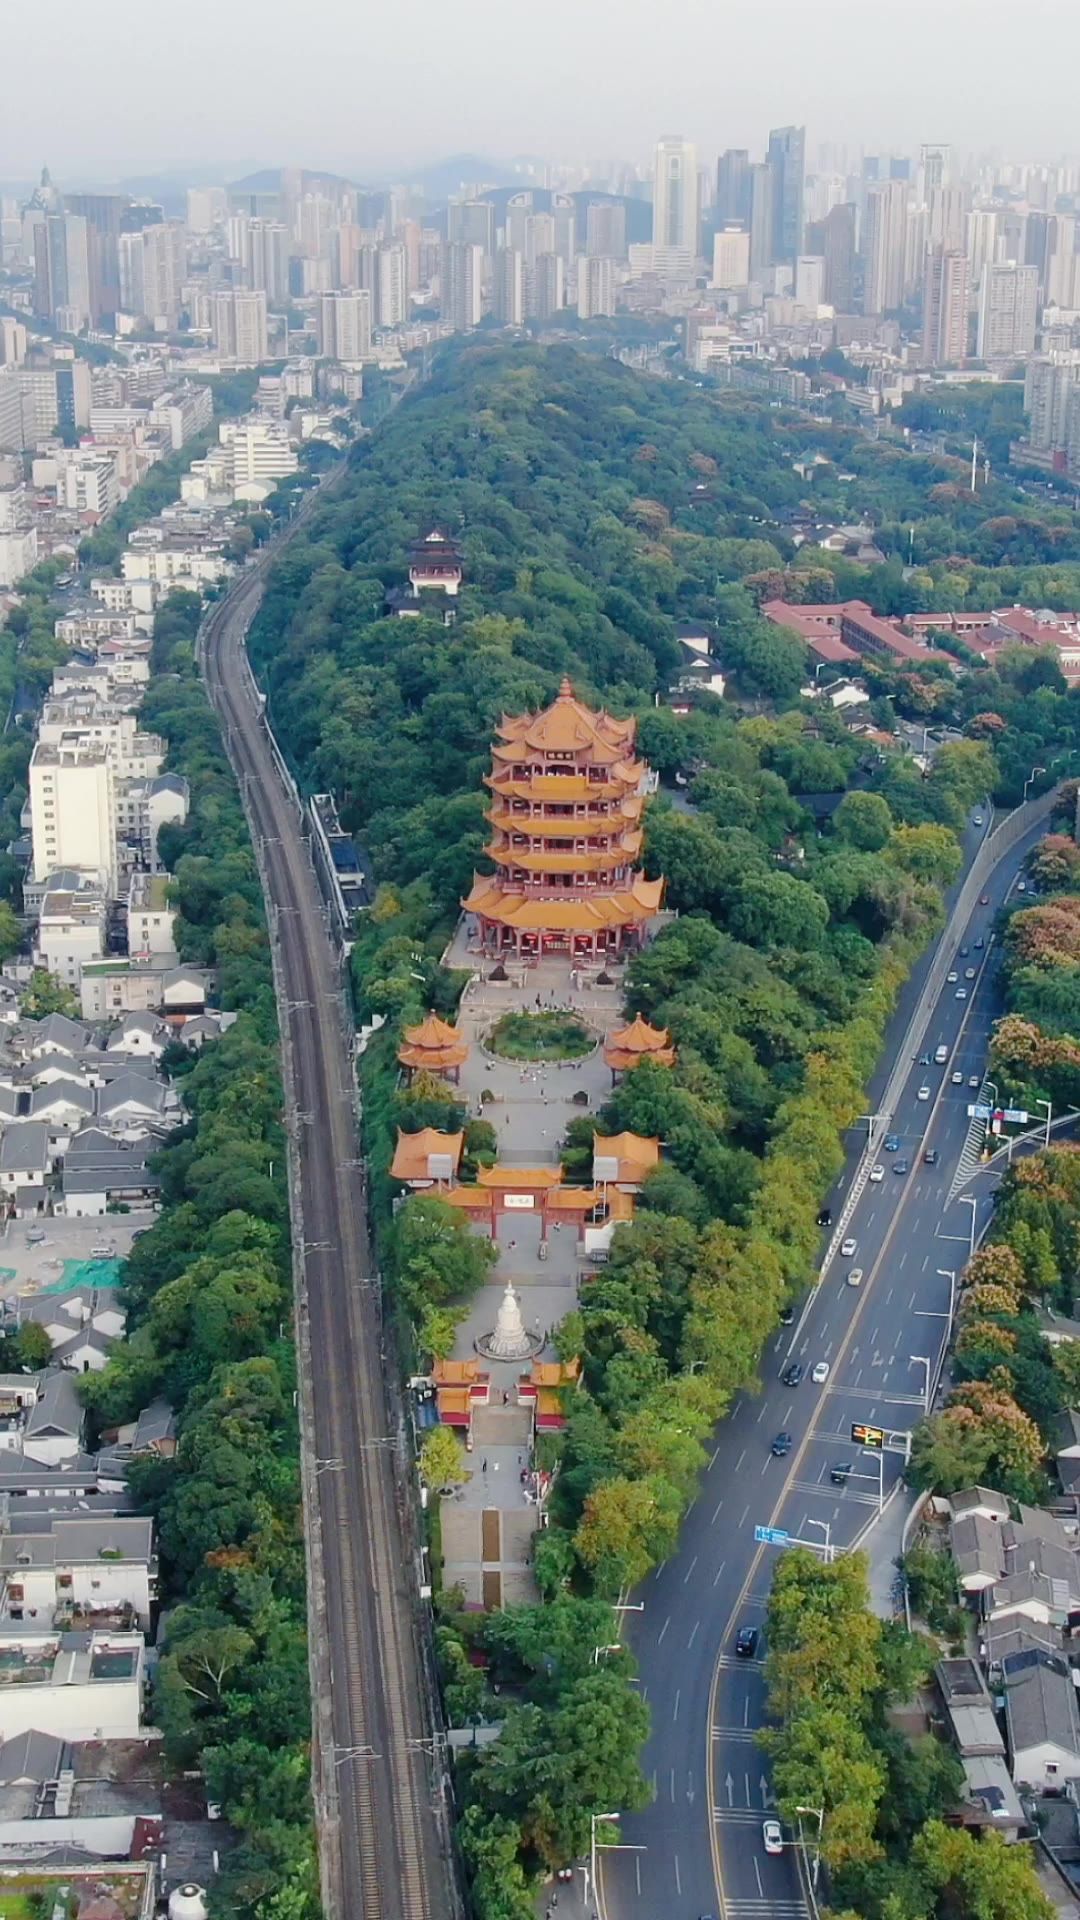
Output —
<point x="75" y="1686"/>
<point x="73" y="809"/>
<point x="151" y="920"/>
<point x="731" y="258"/>
<point x="71" y="931"/>
<point x="262" y="454"/>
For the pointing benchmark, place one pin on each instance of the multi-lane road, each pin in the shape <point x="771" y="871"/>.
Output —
<point x="699" y="1845"/>
<point x="376" y="1787"/>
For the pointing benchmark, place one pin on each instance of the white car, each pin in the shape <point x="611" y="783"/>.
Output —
<point x="876" y="1174"/>
<point x="847" y="1248"/>
<point x="771" y="1837"/>
<point x="953" y="977"/>
<point x="977" y="820"/>
<point x="958" y="1078"/>
<point x="820" y="1373"/>
<point x="1021" y="886"/>
<point x="924" y="1093"/>
<point x="961" y="993"/>
<point x="854" y="1278"/>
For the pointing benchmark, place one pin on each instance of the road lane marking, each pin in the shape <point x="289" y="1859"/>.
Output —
<point x="742" y="1522"/>
<point x="740" y="1460"/>
<point x="693" y="1636"/>
<point x="690" y="1569"/>
<point x="757" y="1877"/>
<point x="719" y="1507"/>
<point x="675" y="1712"/>
<point x="678" y="1877"/>
<point x="663" y="1629"/>
<point x="719" y="1571"/>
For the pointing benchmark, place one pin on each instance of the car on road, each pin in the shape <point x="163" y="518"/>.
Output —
<point x="961" y="993"/>
<point x="787" y="1315"/>
<point x="963" y="953"/>
<point x="974" y="1082"/>
<point x="565" y="1874"/>
<point x="980" y="944"/>
<point x="892" y="1141"/>
<point x="976" y="819"/>
<point x="854" y="1278"/>
<point x="877" y="1173"/>
<point x="969" y="973"/>
<point x="930" y="1157"/>
<point x="771" y="1837"/>
<point x="984" y="901"/>
<point x="952" y="977"/>
<point x="924" y="1059"/>
<point x="847" y="1248"/>
<point x="1021" y="886"/>
<point x="824" y="1218"/>
<point x="793" y="1374"/>
<point x="746" y="1642"/>
<point x="820" y="1373"/>
<point x="900" y="1166"/>
<point x="958" y="1078"/>
<point x="841" y="1473"/>
<point x="924" y="1093"/>
<point x="781" y="1445"/>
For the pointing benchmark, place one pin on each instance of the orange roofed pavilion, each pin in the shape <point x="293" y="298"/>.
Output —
<point x="626" y="1047"/>
<point x="433" y="1047"/>
<point x="428" y="1158"/>
<point x="567" y="796"/>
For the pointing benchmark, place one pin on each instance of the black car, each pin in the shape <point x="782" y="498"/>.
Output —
<point x="824" y="1218"/>
<point x="930" y="1157"/>
<point x="793" y="1374"/>
<point x="980" y="943"/>
<point x="899" y="1166"/>
<point x="746" y="1642"/>
<point x="841" y="1473"/>
<point x="787" y="1315"/>
<point x="781" y="1445"/>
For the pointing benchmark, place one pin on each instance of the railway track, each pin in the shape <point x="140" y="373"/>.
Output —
<point x="377" y="1772"/>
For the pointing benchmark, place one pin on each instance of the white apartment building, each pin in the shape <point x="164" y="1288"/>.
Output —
<point x="18" y="536"/>
<point x="238" y="325"/>
<point x="595" y="287"/>
<point x="1008" y="311"/>
<point x="127" y="596"/>
<point x="143" y="807"/>
<point x="167" y="566"/>
<point x="185" y="411"/>
<point x="731" y="258"/>
<point x="75" y="1686"/>
<point x="71" y="931"/>
<point x="59" y="1568"/>
<point x="393" y="286"/>
<point x="151" y="920"/>
<point x="344" y="325"/>
<point x="1049" y="382"/>
<point x="73" y="809"/>
<point x="81" y="721"/>
<point x="208" y="482"/>
<point x="87" y="482"/>
<point x="88" y="629"/>
<point x="261" y="453"/>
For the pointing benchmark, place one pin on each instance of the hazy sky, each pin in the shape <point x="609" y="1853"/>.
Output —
<point x="101" y="88"/>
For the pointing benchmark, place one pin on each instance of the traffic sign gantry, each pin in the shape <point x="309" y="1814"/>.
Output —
<point x="771" y="1536"/>
<point x="867" y="1436"/>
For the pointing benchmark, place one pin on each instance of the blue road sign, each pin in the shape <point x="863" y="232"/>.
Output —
<point x="771" y="1536"/>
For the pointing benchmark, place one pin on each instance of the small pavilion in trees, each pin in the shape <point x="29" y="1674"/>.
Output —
<point x="567" y="797"/>
<point x="626" y="1047"/>
<point x="433" y="1047"/>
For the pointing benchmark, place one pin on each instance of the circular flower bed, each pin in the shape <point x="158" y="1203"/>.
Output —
<point x="540" y="1036"/>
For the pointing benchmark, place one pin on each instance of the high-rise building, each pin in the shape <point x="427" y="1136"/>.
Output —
<point x="933" y="170"/>
<point x="883" y="247"/>
<point x="731" y="257"/>
<point x="393" y="302"/>
<point x="564" y="214"/>
<point x="152" y="267"/>
<point x="1061" y="277"/>
<point x="945" y="308"/>
<point x="810" y="281"/>
<point x="545" y="287"/>
<point x="1008" y="311"/>
<point x="62" y="265"/>
<point x="838" y="251"/>
<point x="72" y="809"/>
<point x="762" y="208"/>
<point x="595" y="287"/>
<point x="344" y="325"/>
<point x="1049" y="383"/>
<point x="675" y="195"/>
<point x="268" y="243"/>
<point x="238" y="325"/>
<point x="605" y="229"/>
<point x="471" y="223"/>
<point x="206" y="208"/>
<point x="947" y="227"/>
<point x="787" y="158"/>
<point x="510" y="287"/>
<point x="733" y="187"/>
<point x="104" y="214"/>
<point x="461" y="277"/>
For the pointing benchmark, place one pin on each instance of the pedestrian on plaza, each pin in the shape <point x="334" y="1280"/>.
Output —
<point x="484" y="1467"/>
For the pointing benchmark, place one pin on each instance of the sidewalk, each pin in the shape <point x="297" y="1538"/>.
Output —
<point x="882" y="1541"/>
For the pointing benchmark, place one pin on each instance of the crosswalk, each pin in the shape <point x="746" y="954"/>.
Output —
<point x="765" y="1909"/>
<point x="853" y="1496"/>
<point x="738" y="1816"/>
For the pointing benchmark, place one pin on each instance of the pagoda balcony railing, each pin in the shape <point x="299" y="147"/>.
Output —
<point x="535" y="843"/>
<point x="558" y="810"/>
<point x="553" y="888"/>
<point x="557" y="770"/>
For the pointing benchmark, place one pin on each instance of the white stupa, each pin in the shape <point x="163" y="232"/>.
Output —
<point x="509" y="1340"/>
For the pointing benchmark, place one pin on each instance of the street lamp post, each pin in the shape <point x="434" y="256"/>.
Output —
<point x="970" y="1200"/>
<point x="1029" y="780"/>
<point x="878" y="1454"/>
<point x="947" y="1273"/>
<point x="818" y="1814"/>
<point x="826" y="1529"/>
<point x="1049" y="1111"/>
<point x="921" y="1360"/>
<point x="595" y="1820"/>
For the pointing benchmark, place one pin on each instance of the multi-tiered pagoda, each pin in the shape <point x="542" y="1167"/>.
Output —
<point x="567" y="798"/>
